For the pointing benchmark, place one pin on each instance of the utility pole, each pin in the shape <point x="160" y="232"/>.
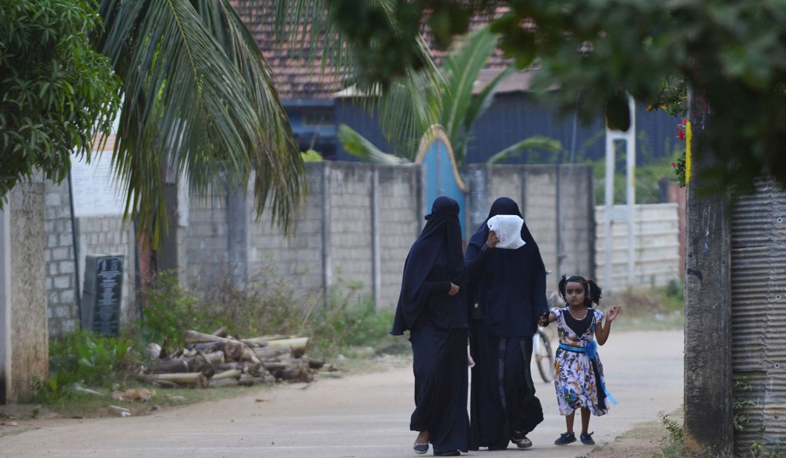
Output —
<point x="709" y="416"/>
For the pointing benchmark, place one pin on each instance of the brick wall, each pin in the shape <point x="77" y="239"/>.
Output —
<point x="296" y="259"/>
<point x="59" y="255"/>
<point x="206" y="241"/>
<point x="399" y="224"/>
<point x="350" y="224"/>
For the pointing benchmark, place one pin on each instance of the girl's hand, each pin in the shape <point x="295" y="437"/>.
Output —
<point x="543" y="320"/>
<point x="613" y="313"/>
<point x="454" y="289"/>
<point x="492" y="240"/>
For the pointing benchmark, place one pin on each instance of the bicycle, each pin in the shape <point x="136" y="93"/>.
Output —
<point x="541" y="346"/>
<point x="544" y="357"/>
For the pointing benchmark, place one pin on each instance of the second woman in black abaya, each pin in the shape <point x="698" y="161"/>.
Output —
<point x="508" y="294"/>
<point x="433" y="308"/>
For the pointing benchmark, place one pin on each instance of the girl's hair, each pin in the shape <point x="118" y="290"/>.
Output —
<point x="591" y="289"/>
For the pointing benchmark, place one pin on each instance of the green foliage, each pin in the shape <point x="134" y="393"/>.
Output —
<point x="199" y="98"/>
<point x="311" y="156"/>
<point x="169" y="310"/>
<point x="349" y="321"/>
<point x="730" y="53"/>
<point x="84" y="358"/>
<point x="449" y="102"/>
<point x="675" y="430"/>
<point x="57" y="92"/>
<point x="265" y="307"/>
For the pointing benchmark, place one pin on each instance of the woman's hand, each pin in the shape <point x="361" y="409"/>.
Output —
<point x="613" y="313"/>
<point x="454" y="289"/>
<point x="493" y="240"/>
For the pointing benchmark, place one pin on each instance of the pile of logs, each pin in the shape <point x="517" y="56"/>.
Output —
<point x="211" y="360"/>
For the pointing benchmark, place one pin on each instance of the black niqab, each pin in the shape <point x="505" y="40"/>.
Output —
<point x="435" y="258"/>
<point x="511" y="286"/>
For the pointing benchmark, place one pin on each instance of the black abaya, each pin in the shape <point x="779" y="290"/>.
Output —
<point x="507" y="295"/>
<point x="438" y="326"/>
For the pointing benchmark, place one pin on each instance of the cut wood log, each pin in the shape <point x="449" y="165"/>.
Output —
<point x="262" y="341"/>
<point x="233" y="350"/>
<point x="247" y="380"/>
<point x="227" y="374"/>
<point x="228" y="367"/>
<point x="270" y="353"/>
<point x="174" y="366"/>
<point x="296" y="343"/>
<point x="216" y="357"/>
<point x="192" y="336"/>
<point x="207" y="347"/>
<point x="249" y="356"/>
<point x="316" y="363"/>
<point x="221" y="332"/>
<point x="197" y="379"/>
<point x="223" y="382"/>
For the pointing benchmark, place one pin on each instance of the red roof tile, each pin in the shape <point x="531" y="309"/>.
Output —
<point x="298" y="79"/>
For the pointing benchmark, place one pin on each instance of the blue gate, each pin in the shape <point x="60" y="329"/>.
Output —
<point x="442" y="177"/>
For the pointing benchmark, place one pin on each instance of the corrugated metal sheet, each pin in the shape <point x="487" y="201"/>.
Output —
<point x="516" y="116"/>
<point x="758" y="268"/>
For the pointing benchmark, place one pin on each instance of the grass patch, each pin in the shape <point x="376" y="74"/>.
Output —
<point x="649" y="309"/>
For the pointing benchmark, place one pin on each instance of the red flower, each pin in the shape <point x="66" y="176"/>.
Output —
<point x="673" y="165"/>
<point x="681" y="130"/>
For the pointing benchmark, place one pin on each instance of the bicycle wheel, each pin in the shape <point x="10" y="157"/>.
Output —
<point x="544" y="357"/>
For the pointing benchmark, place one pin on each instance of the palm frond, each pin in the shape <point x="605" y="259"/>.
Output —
<point x="198" y="97"/>
<point x="463" y="67"/>
<point x="535" y="142"/>
<point x="479" y="104"/>
<point x="358" y="146"/>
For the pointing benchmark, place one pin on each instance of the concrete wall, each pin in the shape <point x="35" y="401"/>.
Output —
<point x="23" y="300"/>
<point x="355" y="227"/>
<point x="60" y="268"/>
<point x="656" y="247"/>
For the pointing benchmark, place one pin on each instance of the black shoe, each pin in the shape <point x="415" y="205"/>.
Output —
<point x="420" y="449"/>
<point x="586" y="439"/>
<point x="565" y="439"/>
<point x="450" y="453"/>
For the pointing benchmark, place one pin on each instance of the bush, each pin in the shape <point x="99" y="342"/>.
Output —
<point x="85" y="358"/>
<point x="265" y="307"/>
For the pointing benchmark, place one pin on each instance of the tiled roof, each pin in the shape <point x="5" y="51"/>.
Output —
<point x="298" y="79"/>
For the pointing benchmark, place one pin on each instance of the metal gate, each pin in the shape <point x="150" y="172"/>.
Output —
<point x="441" y="175"/>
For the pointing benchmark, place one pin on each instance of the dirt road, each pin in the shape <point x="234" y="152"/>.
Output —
<point x="359" y="416"/>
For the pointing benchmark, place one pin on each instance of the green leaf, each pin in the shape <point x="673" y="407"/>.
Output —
<point x="358" y="146"/>
<point x="535" y="142"/>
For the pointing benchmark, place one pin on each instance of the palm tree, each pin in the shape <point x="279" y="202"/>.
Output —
<point x="198" y="96"/>
<point x="450" y="103"/>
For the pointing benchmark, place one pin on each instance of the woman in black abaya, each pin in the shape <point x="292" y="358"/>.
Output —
<point x="433" y="308"/>
<point x="507" y="295"/>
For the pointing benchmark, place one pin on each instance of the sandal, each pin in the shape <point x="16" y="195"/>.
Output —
<point x="420" y="449"/>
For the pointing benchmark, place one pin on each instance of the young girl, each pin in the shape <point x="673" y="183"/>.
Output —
<point x="579" y="377"/>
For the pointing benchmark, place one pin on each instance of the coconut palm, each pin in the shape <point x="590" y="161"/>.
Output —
<point x="199" y="97"/>
<point x="451" y="104"/>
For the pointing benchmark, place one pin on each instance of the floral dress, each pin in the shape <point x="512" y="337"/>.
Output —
<point x="577" y="374"/>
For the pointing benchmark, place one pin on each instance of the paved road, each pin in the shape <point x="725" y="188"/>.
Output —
<point x="359" y="416"/>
